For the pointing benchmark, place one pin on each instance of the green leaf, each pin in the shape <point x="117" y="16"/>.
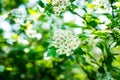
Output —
<point x="101" y="70"/>
<point x="72" y="58"/>
<point x="83" y="36"/>
<point x="103" y="34"/>
<point x="109" y="60"/>
<point x="79" y="51"/>
<point x="101" y="46"/>
<point x="41" y="3"/>
<point x="72" y="0"/>
<point x="92" y="23"/>
<point x="49" y="8"/>
<point x="71" y="24"/>
<point x="52" y="52"/>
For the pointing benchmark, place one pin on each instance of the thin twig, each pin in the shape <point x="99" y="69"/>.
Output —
<point x="79" y="16"/>
<point x="111" y="4"/>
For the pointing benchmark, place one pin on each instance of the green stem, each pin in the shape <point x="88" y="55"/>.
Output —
<point x="111" y="4"/>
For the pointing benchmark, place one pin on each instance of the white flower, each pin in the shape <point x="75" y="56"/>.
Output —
<point x="104" y="3"/>
<point x="33" y="34"/>
<point x="65" y="41"/>
<point x="26" y="50"/>
<point x="60" y="5"/>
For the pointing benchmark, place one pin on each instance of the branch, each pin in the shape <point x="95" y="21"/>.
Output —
<point x="86" y="71"/>
<point x="111" y="4"/>
<point x="79" y="16"/>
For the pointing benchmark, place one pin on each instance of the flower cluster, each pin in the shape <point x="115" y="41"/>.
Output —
<point x="16" y="13"/>
<point x="65" y="41"/>
<point x="102" y="3"/>
<point x="60" y="5"/>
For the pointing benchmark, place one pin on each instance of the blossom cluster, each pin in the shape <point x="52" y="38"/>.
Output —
<point x="59" y="5"/>
<point x="102" y="3"/>
<point x="65" y="41"/>
<point x="16" y="13"/>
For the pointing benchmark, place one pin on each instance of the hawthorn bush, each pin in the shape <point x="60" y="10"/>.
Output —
<point x="59" y="39"/>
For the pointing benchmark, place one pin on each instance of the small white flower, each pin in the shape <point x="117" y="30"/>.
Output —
<point x="65" y="41"/>
<point x="60" y="51"/>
